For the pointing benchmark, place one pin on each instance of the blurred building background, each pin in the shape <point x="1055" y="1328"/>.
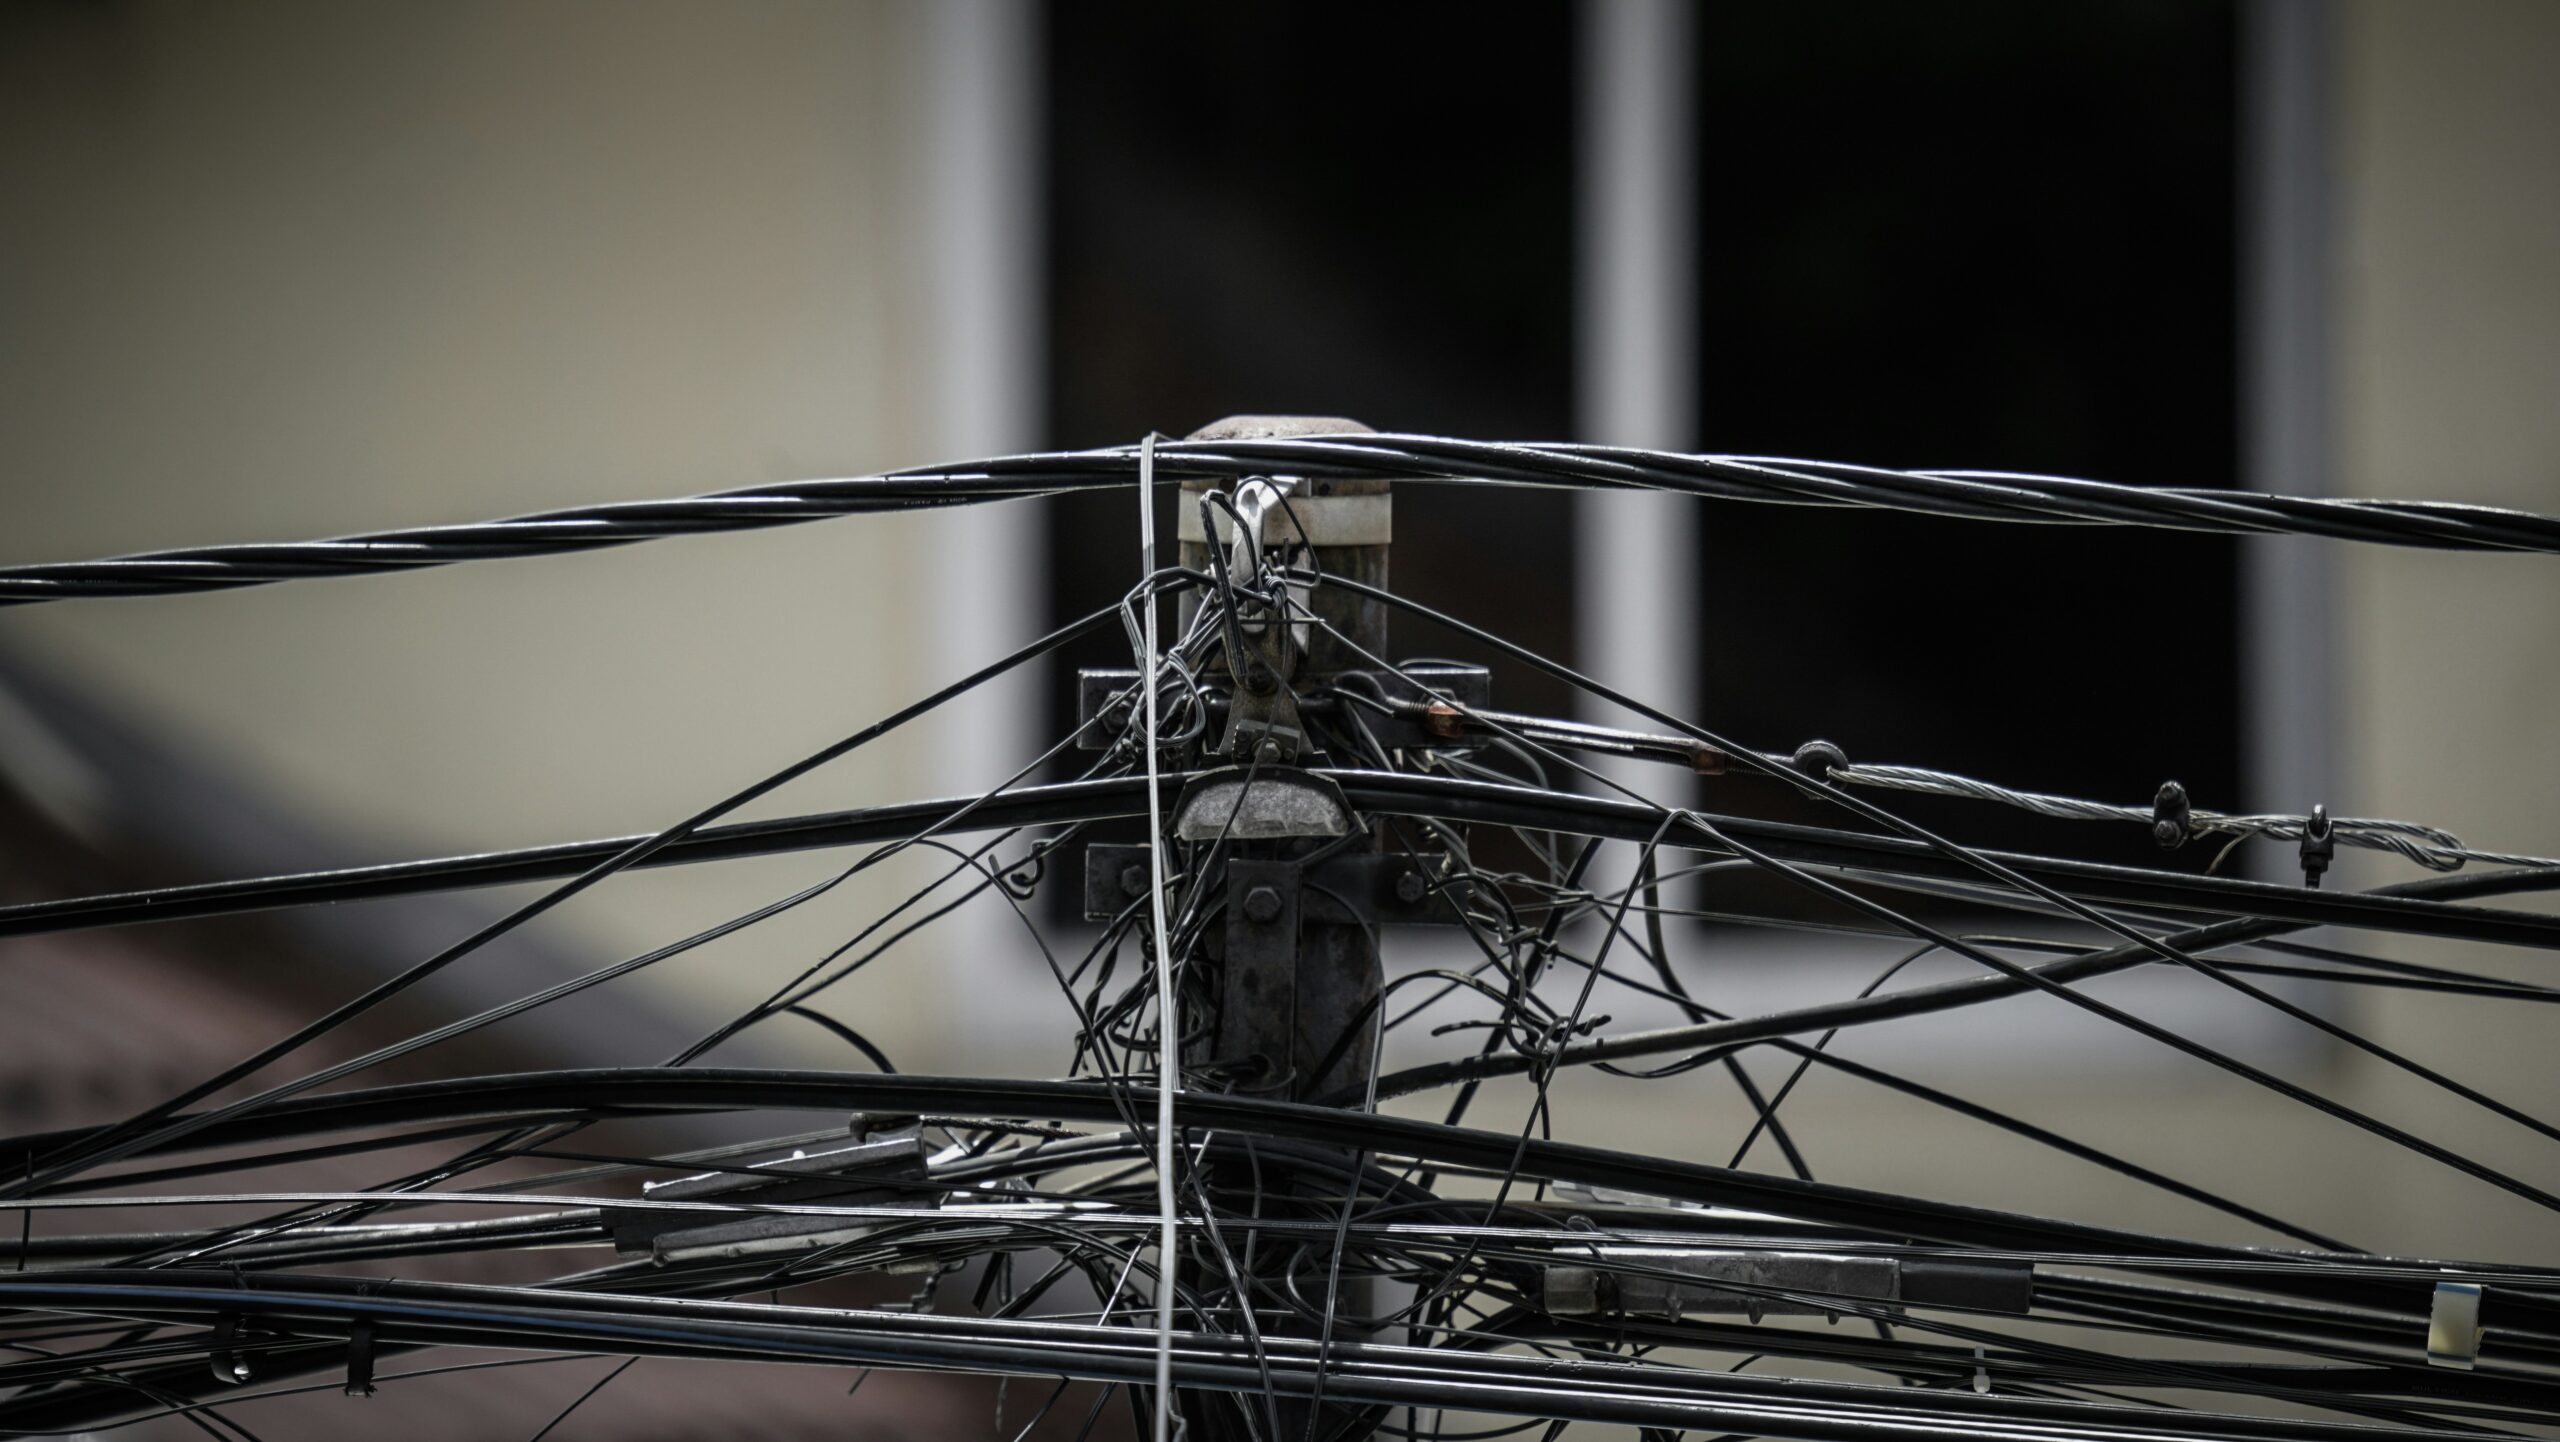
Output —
<point x="287" y="269"/>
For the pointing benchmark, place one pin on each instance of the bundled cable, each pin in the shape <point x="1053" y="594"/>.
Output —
<point x="1217" y="1224"/>
<point x="1977" y="495"/>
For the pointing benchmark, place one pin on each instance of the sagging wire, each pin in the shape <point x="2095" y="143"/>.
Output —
<point x="159" y="1122"/>
<point x="2033" y="976"/>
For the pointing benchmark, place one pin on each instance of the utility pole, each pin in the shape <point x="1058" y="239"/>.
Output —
<point x="1297" y="984"/>
<point x="1300" y="884"/>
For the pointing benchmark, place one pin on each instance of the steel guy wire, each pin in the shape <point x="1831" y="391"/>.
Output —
<point x="2429" y="846"/>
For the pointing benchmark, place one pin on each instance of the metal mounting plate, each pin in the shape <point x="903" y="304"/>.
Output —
<point x="1365" y="889"/>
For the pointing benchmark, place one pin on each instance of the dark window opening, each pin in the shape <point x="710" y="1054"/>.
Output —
<point x="1320" y="209"/>
<point x="2001" y="237"/>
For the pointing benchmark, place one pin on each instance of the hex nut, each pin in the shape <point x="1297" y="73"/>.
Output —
<point x="1262" y="904"/>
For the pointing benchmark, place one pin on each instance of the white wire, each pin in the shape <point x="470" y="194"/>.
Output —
<point x="1168" y="1035"/>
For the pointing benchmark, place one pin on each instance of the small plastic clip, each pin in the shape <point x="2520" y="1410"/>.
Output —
<point x="2172" y="822"/>
<point x="1819" y="759"/>
<point x="229" y="1367"/>
<point x="360" y="1359"/>
<point x="2453" y="1326"/>
<point x="2319" y="845"/>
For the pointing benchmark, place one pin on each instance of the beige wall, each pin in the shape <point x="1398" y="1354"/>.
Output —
<point x="298" y="268"/>
<point x="2449" y="304"/>
<point x="2449" y="334"/>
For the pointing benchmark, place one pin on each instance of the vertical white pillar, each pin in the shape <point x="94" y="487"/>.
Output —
<point x="982" y="173"/>
<point x="2287" y="643"/>
<point x="1636" y="324"/>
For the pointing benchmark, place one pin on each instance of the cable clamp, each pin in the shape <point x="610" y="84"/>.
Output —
<point x="2319" y="845"/>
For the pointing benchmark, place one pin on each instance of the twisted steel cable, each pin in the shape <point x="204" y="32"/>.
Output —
<point x="1976" y="495"/>
<point x="2432" y="847"/>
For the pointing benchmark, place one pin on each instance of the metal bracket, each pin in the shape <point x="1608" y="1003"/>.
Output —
<point x="1100" y="721"/>
<point x="1354" y="889"/>
<point x="1264" y="726"/>
<point x="1258" y="1011"/>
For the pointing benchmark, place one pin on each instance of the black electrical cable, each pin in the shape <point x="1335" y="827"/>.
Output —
<point x="1366" y="1372"/>
<point x="1473" y="1268"/>
<point x="1967" y="494"/>
<point x="1935" y="997"/>
<point x="131" y="1133"/>
<point x="642" y="1091"/>
<point x="2407" y="908"/>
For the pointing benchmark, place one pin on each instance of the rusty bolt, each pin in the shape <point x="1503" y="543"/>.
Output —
<point x="1442" y="719"/>
<point x="1410" y="887"/>
<point x="1133" y="880"/>
<point x="1262" y="904"/>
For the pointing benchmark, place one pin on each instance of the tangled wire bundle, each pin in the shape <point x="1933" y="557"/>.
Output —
<point x="1455" y="1267"/>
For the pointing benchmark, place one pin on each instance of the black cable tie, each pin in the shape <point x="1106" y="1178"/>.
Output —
<point x="360" y="1359"/>
<point x="2319" y="845"/>
<point x="2172" y="822"/>
<point x="229" y="1367"/>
